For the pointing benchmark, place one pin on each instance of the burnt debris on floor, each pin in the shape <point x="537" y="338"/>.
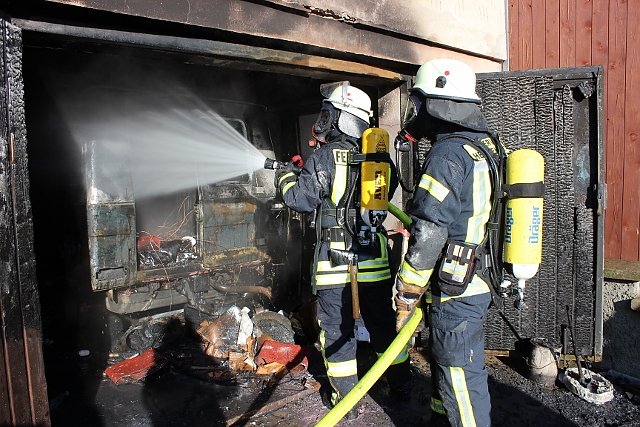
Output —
<point x="230" y="366"/>
<point x="218" y="371"/>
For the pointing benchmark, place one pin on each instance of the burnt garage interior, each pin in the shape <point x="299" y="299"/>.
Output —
<point x="82" y="84"/>
<point x="62" y="72"/>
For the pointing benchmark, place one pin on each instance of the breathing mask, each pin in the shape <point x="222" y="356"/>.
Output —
<point x="332" y="122"/>
<point x="413" y="124"/>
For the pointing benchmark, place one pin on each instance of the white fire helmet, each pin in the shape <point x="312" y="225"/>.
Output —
<point x="447" y="79"/>
<point x="347" y="98"/>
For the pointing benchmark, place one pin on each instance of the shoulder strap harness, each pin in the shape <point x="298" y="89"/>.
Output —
<point x="489" y="252"/>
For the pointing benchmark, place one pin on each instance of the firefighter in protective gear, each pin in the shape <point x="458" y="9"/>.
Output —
<point x="450" y="209"/>
<point x="325" y="184"/>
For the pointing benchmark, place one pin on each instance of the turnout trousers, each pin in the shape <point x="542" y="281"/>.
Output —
<point x="456" y="343"/>
<point x="337" y="334"/>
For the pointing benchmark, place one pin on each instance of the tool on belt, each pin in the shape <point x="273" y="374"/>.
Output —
<point x="350" y="259"/>
<point x="353" y="274"/>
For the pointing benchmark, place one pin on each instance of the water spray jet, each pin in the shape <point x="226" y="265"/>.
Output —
<point x="172" y="145"/>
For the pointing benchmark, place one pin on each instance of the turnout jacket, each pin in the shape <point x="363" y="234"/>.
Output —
<point x="322" y="184"/>
<point x="454" y="192"/>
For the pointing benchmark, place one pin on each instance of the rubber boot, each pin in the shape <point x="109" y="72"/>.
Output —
<point x="330" y="399"/>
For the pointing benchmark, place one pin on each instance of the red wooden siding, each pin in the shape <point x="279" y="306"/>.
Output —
<point x="574" y="33"/>
<point x="631" y="175"/>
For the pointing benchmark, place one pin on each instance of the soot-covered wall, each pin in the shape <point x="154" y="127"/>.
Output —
<point x="555" y="114"/>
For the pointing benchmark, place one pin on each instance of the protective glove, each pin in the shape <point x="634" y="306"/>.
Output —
<point x="406" y="300"/>
<point x="288" y="169"/>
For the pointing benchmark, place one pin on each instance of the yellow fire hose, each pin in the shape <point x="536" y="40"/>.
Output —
<point x="398" y="213"/>
<point x="397" y="345"/>
<point x="359" y="390"/>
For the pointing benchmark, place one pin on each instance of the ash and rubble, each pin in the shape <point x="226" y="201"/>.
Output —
<point x="230" y="371"/>
<point x="231" y="341"/>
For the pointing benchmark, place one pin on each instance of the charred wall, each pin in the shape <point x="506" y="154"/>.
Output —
<point x="332" y="29"/>
<point x="557" y="115"/>
<point x="23" y="391"/>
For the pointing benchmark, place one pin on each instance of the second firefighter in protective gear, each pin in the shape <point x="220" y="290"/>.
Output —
<point x="329" y="183"/>
<point x="450" y="210"/>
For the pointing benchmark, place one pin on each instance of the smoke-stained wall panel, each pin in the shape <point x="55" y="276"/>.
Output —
<point x="556" y="113"/>
<point x="455" y="20"/>
<point x="407" y="36"/>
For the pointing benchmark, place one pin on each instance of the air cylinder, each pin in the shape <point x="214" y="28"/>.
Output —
<point x="523" y="214"/>
<point x="374" y="177"/>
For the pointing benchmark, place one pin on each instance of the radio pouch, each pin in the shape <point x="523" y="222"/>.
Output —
<point x="457" y="267"/>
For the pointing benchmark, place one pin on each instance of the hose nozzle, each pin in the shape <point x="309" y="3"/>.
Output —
<point x="295" y="165"/>
<point x="273" y="164"/>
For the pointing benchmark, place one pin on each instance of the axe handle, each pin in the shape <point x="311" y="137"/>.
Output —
<point x="355" y="298"/>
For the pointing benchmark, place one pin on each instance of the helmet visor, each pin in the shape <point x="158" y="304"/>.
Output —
<point x="414" y="104"/>
<point x="327" y="89"/>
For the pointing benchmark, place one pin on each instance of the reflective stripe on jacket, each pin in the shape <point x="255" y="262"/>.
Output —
<point x="322" y="184"/>
<point x="454" y="192"/>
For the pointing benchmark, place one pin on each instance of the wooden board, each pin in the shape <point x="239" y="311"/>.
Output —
<point x="552" y="31"/>
<point x="567" y="33"/>
<point x="631" y="193"/>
